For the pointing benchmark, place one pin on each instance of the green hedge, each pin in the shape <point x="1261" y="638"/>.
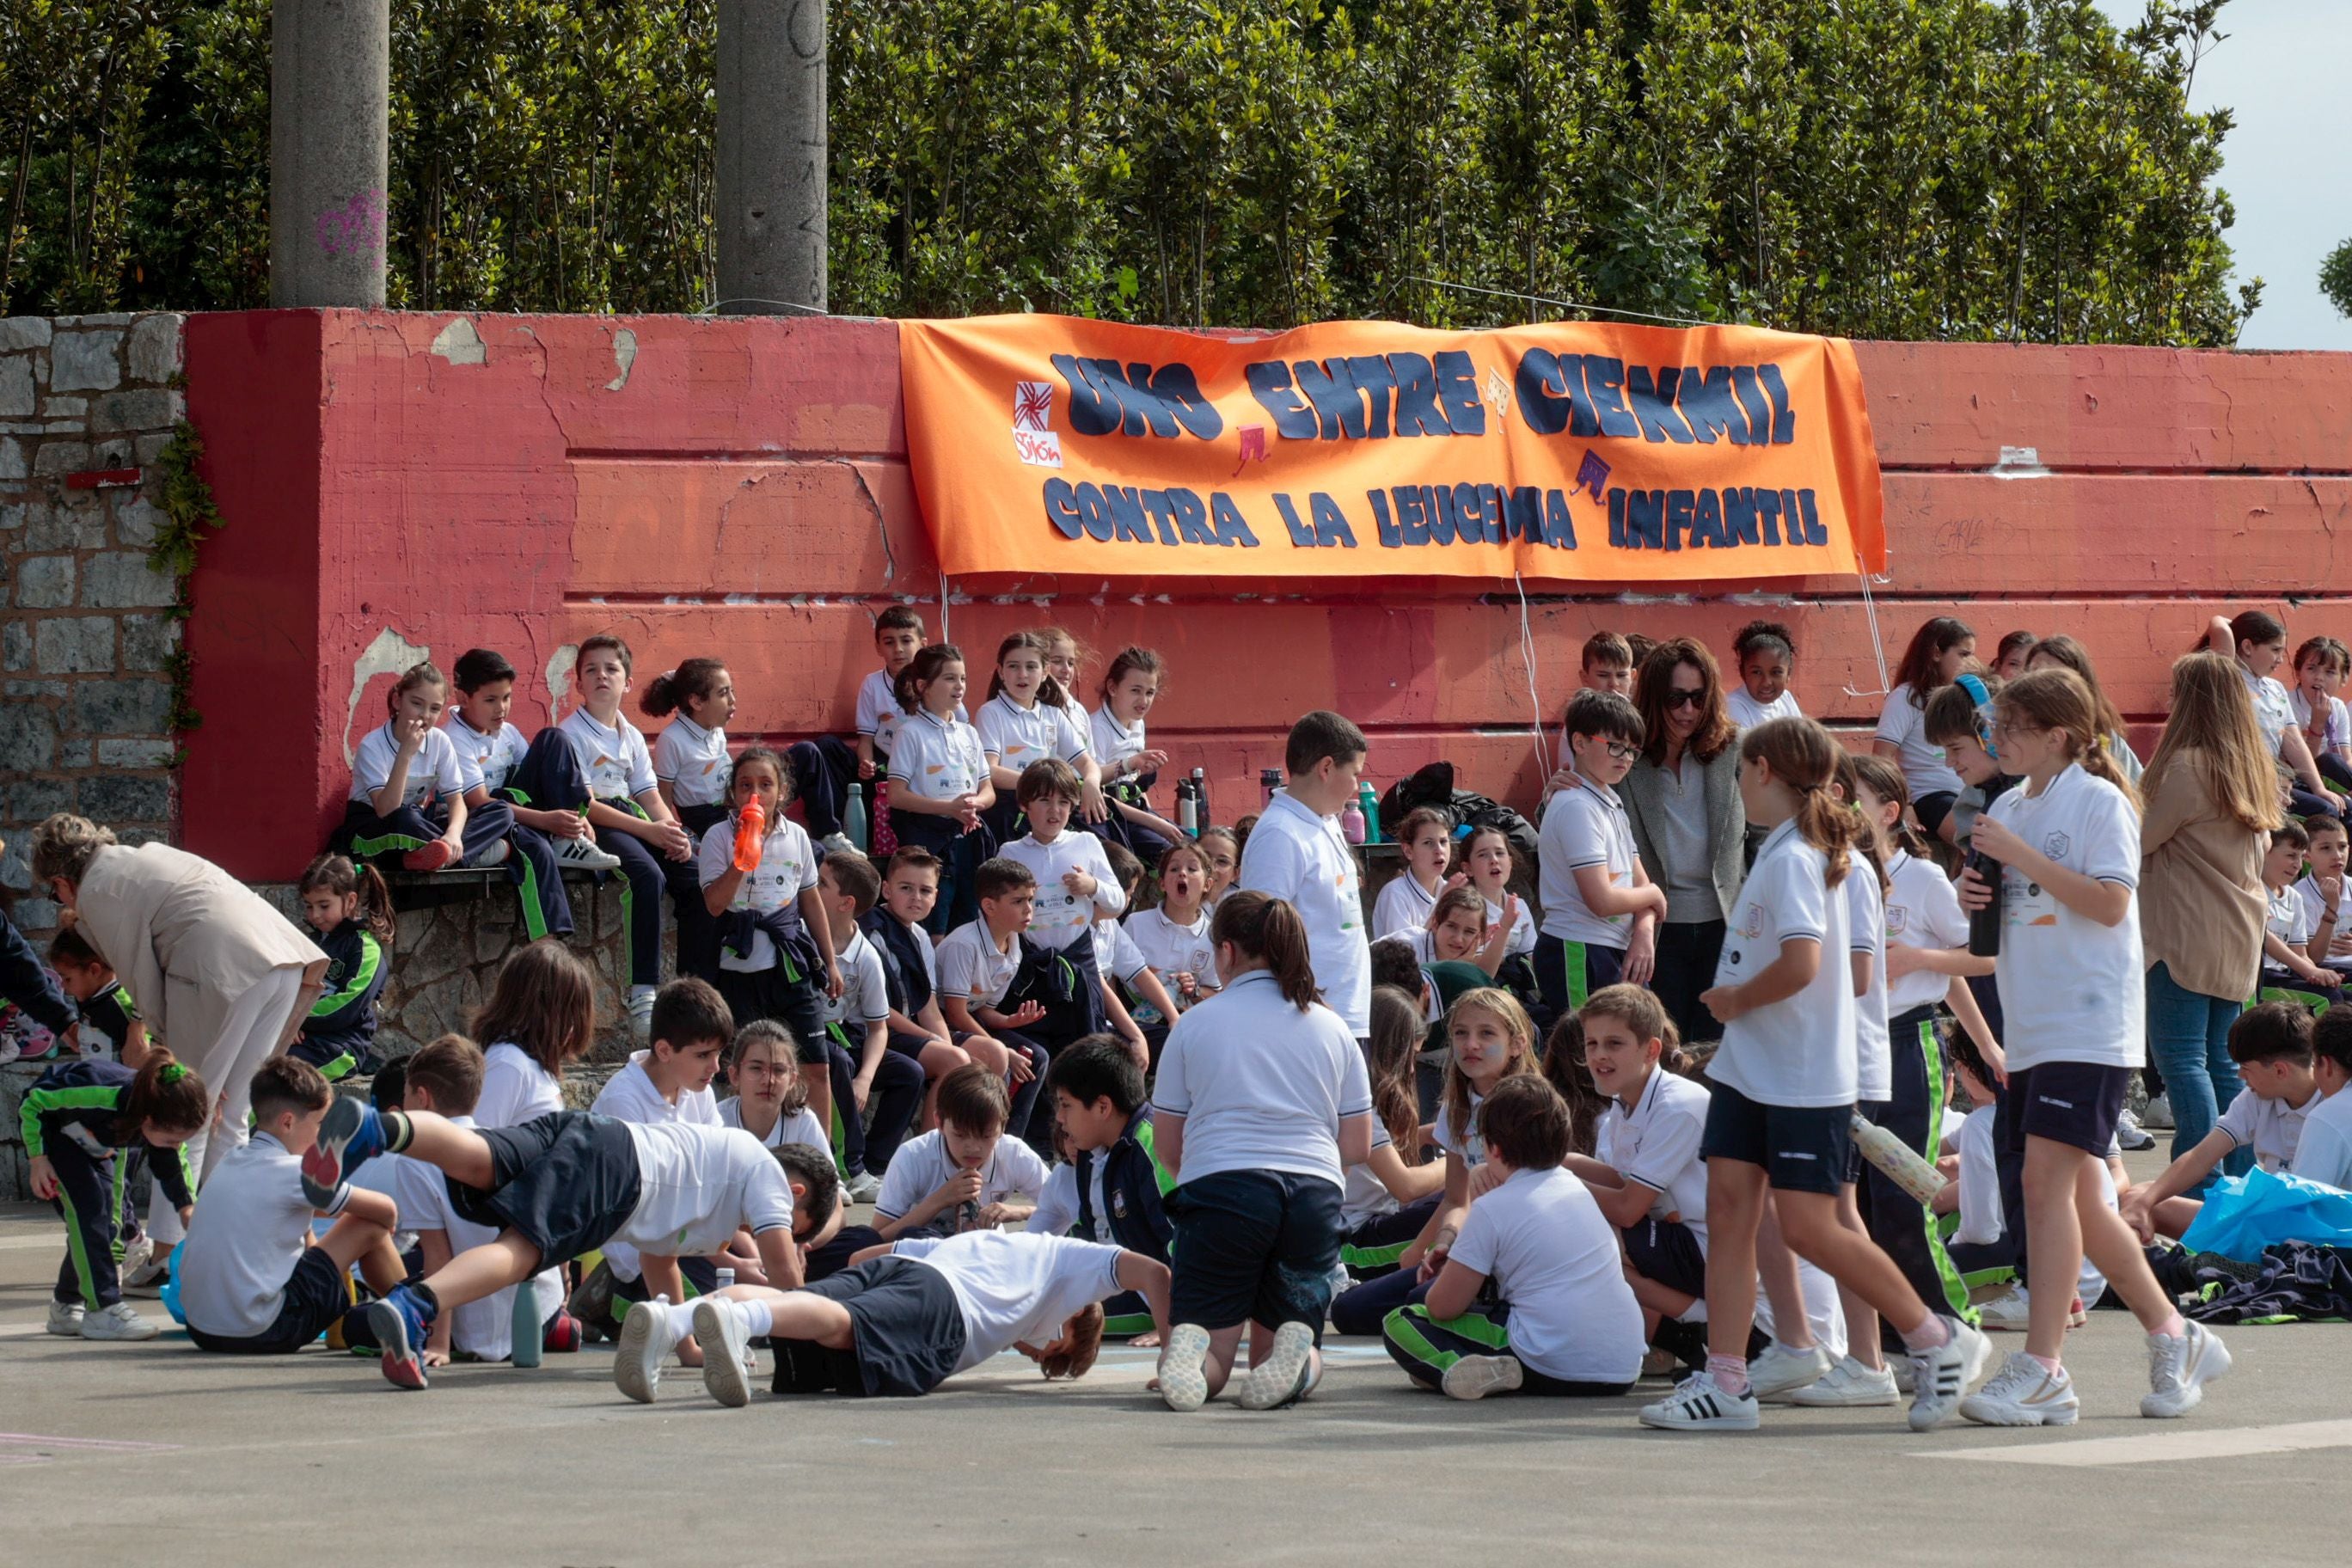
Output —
<point x="1976" y="169"/>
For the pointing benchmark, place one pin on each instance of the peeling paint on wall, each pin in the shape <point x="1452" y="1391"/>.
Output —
<point x="389" y="654"/>
<point x="559" y="677"/>
<point x="459" y="343"/>
<point x="624" y="355"/>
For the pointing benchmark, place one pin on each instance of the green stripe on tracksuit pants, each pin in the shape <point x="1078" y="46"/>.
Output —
<point x="87" y="1198"/>
<point x="1568" y="972"/>
<point x="1904" y="1227"/>
<point x="1426" y="1346"/>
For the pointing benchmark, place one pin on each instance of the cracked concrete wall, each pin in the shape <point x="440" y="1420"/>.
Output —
<point x="87" y="405"/>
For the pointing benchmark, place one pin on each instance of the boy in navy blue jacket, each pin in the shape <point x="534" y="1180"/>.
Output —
<point x="1100" y="1102"/>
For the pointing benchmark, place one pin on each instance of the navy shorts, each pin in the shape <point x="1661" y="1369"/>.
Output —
<point x="317" y="1295"/>
<point x="1254" y="1247"/>
<point x="1802" y="1148"/>
<point x="2074" y="1103"/>
<point x="906" y="1333"/>
<point x="564" y="1182"/>
<point x="1568" y="972"/>
<point x="1667" y="1252"/>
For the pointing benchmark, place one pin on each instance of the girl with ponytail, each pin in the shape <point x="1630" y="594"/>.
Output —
<point x="1785" y="1085"/>
<point x="1261" y="1103"/>
<point x="2074" y="996"/>
<point x="74" y="1120"/>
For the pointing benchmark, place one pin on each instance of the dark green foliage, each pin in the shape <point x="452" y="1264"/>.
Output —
<point x="1968" y="169"/>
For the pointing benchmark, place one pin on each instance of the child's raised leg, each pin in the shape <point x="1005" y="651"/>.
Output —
<point x="351" y="1239"/>
<point x="355" y="1132"/>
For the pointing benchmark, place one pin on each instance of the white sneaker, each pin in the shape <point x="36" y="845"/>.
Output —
<point x="1476" y="1376"/>
<point x="9" y="1049"/>
<point x="837" y="844"/>
<point x="1849" y="1383"/>
<point x="64" y="1320"/>
<point x="122" y="1322"/>
<point x="1940" y="1376"/>
<point x="1781" y="1370"/>
<point x="1696" y="1404"/>
<point x="641" y="1011"/>
<point x="726" y="1350"/>
<point x="2158" y="1112"/>
<point x="2178" y="1368"/>
<point x="1286" y="1374"/>
<point x="582" y="855"/>
<point x="496" y="854"/>
<point x="862" y="1188"/>
<point x="1183" y="1372"/>
<point x="644" y="1348"/>
<point x="2024" y="1393"/>
<point x="2010" y="1312"/>
<point x="2131" y="1136"/>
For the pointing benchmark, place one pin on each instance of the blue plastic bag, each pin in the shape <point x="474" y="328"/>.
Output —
<point x="171" y="1292"/>
<point x="2242" y="1214"/>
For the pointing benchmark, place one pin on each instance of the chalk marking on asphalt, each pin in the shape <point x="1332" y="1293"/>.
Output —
<point x="2162" y="1448"/>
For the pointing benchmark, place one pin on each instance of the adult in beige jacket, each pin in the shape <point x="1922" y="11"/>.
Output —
<point x="2211" y="800"/>
<point x="221" y="976"/>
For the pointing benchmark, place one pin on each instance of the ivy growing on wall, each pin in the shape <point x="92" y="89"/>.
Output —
<point x="190" y="516"/>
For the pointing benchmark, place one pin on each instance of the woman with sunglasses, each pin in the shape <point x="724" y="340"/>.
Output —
<point x="1683" y="795"/>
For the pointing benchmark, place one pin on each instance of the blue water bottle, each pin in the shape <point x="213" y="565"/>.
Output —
<point x="853" y="818"/>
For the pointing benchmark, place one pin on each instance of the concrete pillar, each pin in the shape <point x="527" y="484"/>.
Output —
<point x="329" y="111"/>
<point x="772" y="155"/>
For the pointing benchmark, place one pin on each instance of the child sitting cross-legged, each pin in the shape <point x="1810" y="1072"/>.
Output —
<point x="2291" y="936"/>
<point x="1098" y="1099"/>
<point x="1645" y="1171"/>
<point x="2271" y="1043"/>
<point x="251" y="1281"/>
<point x="567" y="1182"/>
<point x="960" y="1177"/>
<point x="1532" y="1296"/>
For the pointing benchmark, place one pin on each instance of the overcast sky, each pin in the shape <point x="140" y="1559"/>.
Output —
<point x="2288" y="168"/>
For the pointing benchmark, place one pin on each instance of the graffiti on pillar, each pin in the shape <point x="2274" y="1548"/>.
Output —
<point x="356" y="227"/>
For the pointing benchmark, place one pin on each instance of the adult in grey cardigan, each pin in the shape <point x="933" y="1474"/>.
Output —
<point x="1682" y="796"/>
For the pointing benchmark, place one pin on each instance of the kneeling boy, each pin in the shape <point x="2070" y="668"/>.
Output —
<point x="250" y="1282"/>
<point x="903" y="1318"/>
<point x="1563" y="1321"/>
<point x="568" y="1181"/>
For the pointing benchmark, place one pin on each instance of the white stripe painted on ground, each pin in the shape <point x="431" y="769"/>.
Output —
<point x="2160" y="1448"/>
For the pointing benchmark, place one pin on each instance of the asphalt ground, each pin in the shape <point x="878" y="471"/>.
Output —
<point x="113" y="1454"/>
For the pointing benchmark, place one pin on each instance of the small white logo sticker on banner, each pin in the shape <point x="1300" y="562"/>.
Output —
<point x="1033" y="408"/>
<point x="1039" y="449"/>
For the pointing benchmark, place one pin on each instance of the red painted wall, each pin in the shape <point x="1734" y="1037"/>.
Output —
<point x="739" y="488"/>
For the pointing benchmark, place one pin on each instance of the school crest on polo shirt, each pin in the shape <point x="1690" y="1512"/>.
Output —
<point x="1897" y="918"/>
<point x="2055" y="845"/>
<point x="1752" y="926"/>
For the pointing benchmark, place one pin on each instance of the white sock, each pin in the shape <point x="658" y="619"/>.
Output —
<point x="677" y="1321"/>
<point x="756" y="1318"/>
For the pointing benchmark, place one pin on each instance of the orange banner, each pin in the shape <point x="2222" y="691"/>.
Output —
<point x="1567" y="452"/>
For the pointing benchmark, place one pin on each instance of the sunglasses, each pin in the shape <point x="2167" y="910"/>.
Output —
<point x="1685" y="699"/>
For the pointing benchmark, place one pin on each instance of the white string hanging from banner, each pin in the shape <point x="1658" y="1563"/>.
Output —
<point x="1877" y="642"/>
<point x="1528" y="656"/>
<point x="943" y="608"/>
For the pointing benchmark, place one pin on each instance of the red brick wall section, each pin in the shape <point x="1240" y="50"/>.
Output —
<point x="401" y="483"/>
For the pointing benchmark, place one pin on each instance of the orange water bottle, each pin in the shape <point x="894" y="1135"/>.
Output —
<point x="751" y="836"/>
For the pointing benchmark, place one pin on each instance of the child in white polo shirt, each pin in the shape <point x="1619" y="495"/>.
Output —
<point x="965" y="1175"/>
<point x="2292" y="945"/>
<point x="940" y="780"/>
<point x="2324" y="1153"/>
<point x="1600" y="910"/>
<point x="1076" y="884"/>
<point x="2072" y="1002"/>
<point x="1562" y="1320"/>
<point x="877" y="1080"/>
<point x="625" y="806"/>
<point x="250" y="1282"/>
<point x="978" y="964"/>
<point x="498" y="762"/>
<point x="1297" y="854"/>
<point x="1262" y="1102"/>
<point x="408" y="787"/>
<point x="1028" y="717"/>
<point x="1786" y="1079"/>
<point x="2271" y="1043"/>
<point x="691" y="772"/>
<point x="669" y="1080"/>
<point x="1645" y="1171"/>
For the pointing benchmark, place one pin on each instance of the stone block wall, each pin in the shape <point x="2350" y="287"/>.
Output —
<point x="86" y="407"/>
